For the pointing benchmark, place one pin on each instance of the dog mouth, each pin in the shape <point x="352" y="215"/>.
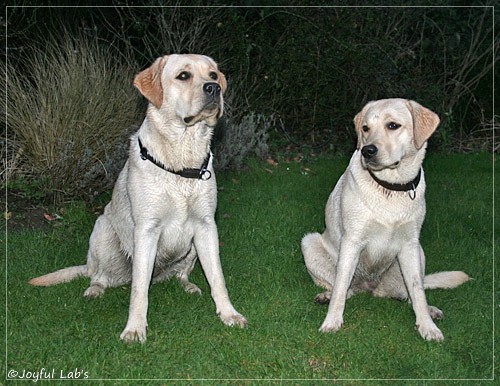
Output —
<point x="375" y="161"/>
<point x="208" y="112"/>
<point x="377" y="167"/>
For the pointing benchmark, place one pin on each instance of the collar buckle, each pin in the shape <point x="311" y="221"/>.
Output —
<point x="205" y="174"/>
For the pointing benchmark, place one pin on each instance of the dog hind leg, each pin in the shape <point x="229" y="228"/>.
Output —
<point x="183" y="275"/>
<point x="182" y="270"/>
<point x="106" y="262"/>
<point x="320" y="264"/>
<point x="392" y="284"/>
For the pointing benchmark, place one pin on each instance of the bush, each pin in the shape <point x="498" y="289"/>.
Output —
<point x="241" y="140"/>
<point x="310" y="69"/>
<point x="212" y="31"/>
<point x="315" y="67"/>
<point x="68" y="106"/>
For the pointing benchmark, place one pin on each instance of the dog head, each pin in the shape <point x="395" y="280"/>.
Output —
<point x="390" y="130"/>
<point x="188" y="88"/>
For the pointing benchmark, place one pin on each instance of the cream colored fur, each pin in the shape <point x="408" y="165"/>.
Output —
<point x="371" y="240"/>
<point x="158" y="223"/>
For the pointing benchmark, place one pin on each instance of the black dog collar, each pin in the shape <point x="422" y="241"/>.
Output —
<point x="409" y="187"/>
<point x="201" y="174"/>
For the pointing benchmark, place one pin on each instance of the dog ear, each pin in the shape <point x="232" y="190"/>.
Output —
<point x="425" y="122"/>
<point x="358" y="123"/>
<point x="223" y="86"/>
<point x="148" y="82"/>
<point x="223" y="81"/>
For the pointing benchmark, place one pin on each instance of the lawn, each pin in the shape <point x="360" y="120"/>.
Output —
<point x="262" y="214"/>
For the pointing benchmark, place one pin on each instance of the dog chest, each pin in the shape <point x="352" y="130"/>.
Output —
<point x="171" y="216"/>
<point x="382" y="244"/>
<point x="176" y="239"/>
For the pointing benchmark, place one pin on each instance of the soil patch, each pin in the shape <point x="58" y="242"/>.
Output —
<point x="22" y="213"/>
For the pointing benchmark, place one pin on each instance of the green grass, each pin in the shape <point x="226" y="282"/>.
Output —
<point x="261" y="218"/>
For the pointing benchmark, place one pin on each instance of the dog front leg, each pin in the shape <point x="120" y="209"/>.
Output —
<point x="145" y="246"/>
<point x="346" y="265"/>
<point x="412" y="268"/>
<point x="206" y="241"/>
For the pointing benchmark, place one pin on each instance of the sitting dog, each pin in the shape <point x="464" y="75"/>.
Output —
<point x="161" y="216"/>
<point x="374" y="215"/>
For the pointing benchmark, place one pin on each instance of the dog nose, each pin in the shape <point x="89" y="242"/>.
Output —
<point x="211" y="89"/>
<point x="369" y="151"/>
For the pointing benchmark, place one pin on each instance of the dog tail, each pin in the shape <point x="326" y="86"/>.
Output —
<point x="445" y="280"/>
<point x="61" y="276"/>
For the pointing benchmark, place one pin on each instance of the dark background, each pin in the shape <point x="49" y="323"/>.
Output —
<point x="304" y="71"/>
<point x="313" y="67"/>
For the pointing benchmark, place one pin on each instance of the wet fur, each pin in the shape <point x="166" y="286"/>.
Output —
<point x="158" y="223"/>
<point x="371" y="241"/>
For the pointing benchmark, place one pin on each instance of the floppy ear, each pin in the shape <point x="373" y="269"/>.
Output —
<point x="148" y="82"/>
<point x="223" y="86"/>
<point x="358" y="123"/>
<point x="425" y="122"/>
<point x="223" y="82"/>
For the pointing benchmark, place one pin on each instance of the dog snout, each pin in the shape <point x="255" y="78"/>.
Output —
<point x="369" y="151"/>
<point x="211" y="89"/>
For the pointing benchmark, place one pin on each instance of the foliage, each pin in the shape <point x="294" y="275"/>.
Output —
<point x="68" y="107"/>
<point x="313" y="68"/>
<point x="241" y="140"/>
<point x="327" y="63"/>
<point x="302" y="73"/>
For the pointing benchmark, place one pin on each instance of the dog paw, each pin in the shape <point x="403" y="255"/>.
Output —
<point x="331" y="325"/>
<point x="323" y="297"/>
<point x="191" y="288"/>
<point x="436" y="313"/>
<point x="234" y="320"/>
<point x="431" y="333"/>
<point x="131" y="335"/>
<point x="94" y="291"/>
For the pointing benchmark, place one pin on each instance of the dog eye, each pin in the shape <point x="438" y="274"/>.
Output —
<point x="365" y="128"/>
<point x="184" y="75"/>
<point x="393" y="126"/>
<point x="213" y="75"/>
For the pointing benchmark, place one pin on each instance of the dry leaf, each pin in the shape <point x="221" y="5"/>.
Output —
<point x="272" y="162"/>
<point x="48" y="217"/>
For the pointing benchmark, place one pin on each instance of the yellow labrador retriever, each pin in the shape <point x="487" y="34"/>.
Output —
<point x="161" y="216"/>
<point x="374" y="216"/>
